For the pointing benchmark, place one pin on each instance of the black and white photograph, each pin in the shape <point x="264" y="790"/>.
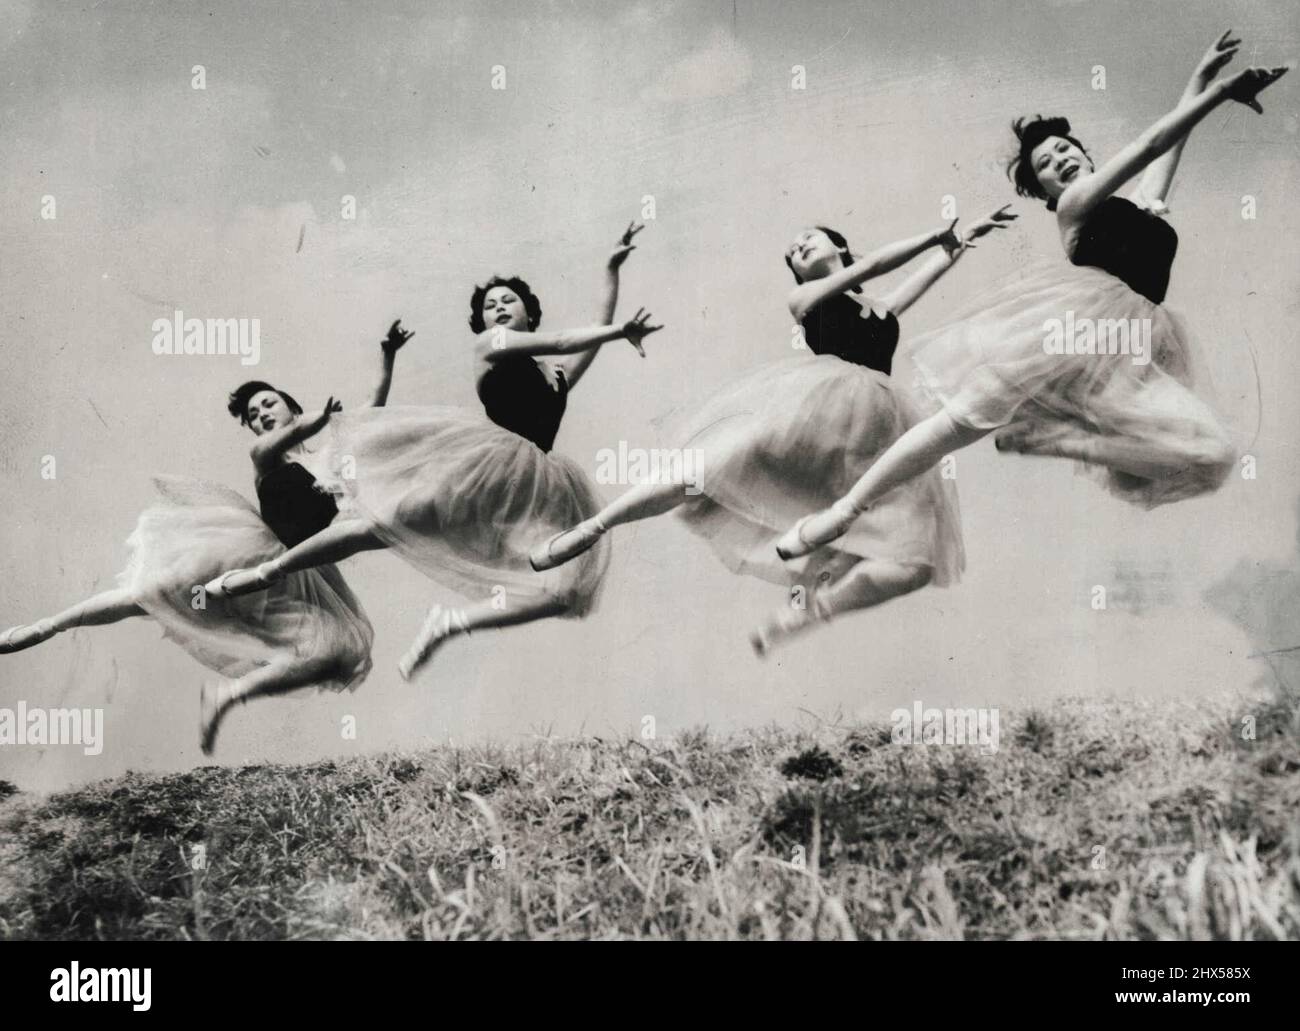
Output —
<point x="651" y="470"/>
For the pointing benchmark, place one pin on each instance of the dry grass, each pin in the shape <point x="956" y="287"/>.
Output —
<point x="1112" y="820"/>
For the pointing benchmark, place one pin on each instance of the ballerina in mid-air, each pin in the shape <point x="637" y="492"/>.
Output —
<point x="309" y="630"/>
<point x="1138" y="424"/>
<point x="797" y="432"/>
<point x="460" y="496"/>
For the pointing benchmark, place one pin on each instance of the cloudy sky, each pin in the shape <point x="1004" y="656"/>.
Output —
<point x="172" y="198"/>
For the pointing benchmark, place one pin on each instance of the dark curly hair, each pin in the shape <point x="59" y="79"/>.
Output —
<point x="237" y="403"/>
<point x="531" y="304"/>
<point x="840" y="243"/>
<point x="1030" y="132"/>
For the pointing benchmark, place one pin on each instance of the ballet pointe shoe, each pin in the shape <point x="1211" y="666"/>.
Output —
<point x="439" y="625"/>
<point x="813" y="531"/>
<point x="238" y="582"/>
<point x="26" y="635"/>
<point x="566" y="546"/>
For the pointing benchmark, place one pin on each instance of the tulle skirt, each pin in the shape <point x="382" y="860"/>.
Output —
<point x="464" y="500"/>
<point x="998" y="361"/>
<point x="791" y="438"/>
<point x="194" y="532"/>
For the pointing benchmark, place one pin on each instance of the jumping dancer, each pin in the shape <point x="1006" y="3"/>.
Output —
<point x="799" y="431"/>
<point x="1133" y="417"/>
<point x="309" y="630"/>
<point x="460" y="496"/>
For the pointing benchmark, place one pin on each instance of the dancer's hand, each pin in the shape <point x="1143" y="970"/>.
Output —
<point x="331" y="406"/>
<point x="1246" y="85"/>
<point x="948" y="239"/>
<point x="625" y="246"/>
<point x="983" y="226"/>
<point x="397" y="336"/>
<point x="1221" y="51"/>
<point x="638" y="328"/>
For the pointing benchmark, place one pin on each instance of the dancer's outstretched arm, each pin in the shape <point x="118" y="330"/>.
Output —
<point x="910" y="289"/>
<point x="389" y="346"/>
<point x="1153" y="188"/>
<point x="577" y="365"/>
<point x="271" y="447"/>
<point x="806" y="296"/>
<point x="1083" y="195"/>
<point x="497" y="343"/>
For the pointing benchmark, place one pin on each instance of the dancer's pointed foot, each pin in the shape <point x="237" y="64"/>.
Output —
<point x="759" y="642"/>
<point x="16" y="638"/>
<point x="237" y="582"/>
<point x="439" y="625"/>
<point x="566" y="545"/>
<point x="210" y="711"/>
<point x="812" y="531"/>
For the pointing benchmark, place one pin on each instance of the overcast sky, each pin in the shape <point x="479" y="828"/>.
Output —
<point x="172" y="198"/>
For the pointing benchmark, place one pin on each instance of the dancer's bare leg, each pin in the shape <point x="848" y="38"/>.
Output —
<point x="915" y="452"/>
<point x="1149" y="459"/>
<point x="104" y="608"/>
<point x="641" y="502"/>
<point x="276" y="677"/>
<point x="444" y="623"/>
<point x="336" y="542"/>
<point x="869" y="583"/>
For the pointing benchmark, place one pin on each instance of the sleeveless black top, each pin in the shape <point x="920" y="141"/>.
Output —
<point x="292" y="506"/>
<point x="841" y="327"/>
<point x="517" y="395"/>
<point x="1129" y="243"/>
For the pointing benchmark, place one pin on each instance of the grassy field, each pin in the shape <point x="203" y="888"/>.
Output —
<point x="1092" y="820"/>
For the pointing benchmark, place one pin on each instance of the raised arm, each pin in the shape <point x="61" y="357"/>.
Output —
<point x="910" y="289"/>
<point x="575" y="366"/>
<point x="270" y="448"/>
<point x="397" y="337"/>
<point x="1082" y="196"/>
<point x="497" y="343"/>
<point x="1153" y="188"/>
<point x="806" y="296"/>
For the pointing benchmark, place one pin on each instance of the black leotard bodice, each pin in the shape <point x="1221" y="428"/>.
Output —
<point x="517" y="395"/>
<point x="1129" y="243"/>
<point x="840" y="327"/>
<point x="292" y="506"/>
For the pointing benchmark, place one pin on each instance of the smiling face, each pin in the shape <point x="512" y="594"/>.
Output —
<point x="504" y="307"/>
<point x="813" y="255"/>
<point x="268" y="411"/>
<point x="1057" y="162"/>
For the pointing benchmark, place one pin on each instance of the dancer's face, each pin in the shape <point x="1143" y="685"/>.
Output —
<point x="267" y="411"/>
<point x="1058" y="163"/>
<point x="503" y="307"/>
<point x="813" y="255"/>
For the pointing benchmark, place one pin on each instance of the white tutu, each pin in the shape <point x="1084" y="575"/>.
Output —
<point x="989" y="367"/>
<point x="197" y="530"/>
<point x="790" y="438"/>
<point x="464" y="500"/>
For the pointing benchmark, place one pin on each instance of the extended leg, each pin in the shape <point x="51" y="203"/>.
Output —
<point x="912" y="454"/>
<point x="276" y="677"/>
<point x="1151" y="459"/>
<point x="641" y="502"/>
<point x="442" y="624"/>
<point x="336" y="542"/>
<point x="866" y="584"/>
<point x="106" y="607"/>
